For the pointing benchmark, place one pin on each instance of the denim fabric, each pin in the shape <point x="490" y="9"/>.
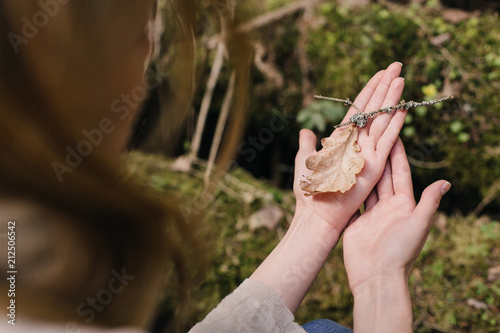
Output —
<point x="325" y="326"/>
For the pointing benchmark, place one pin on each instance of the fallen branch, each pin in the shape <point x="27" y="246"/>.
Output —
<point x="207" y="99"/>
<point x="221" y="123"/>
<point x="263" y="20"/>
<point x="267" y="68"/>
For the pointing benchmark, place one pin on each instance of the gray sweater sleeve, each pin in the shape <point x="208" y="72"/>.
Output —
<point x="252" y="307"/>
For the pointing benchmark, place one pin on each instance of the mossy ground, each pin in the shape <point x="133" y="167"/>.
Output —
<point x="449" y="285"/>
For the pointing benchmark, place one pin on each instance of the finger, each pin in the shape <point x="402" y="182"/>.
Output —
<point x="391" y="133"/>
<point x="380" y="93"/>
<point x="307" y="147"/>
<point x="384" y="186"/>
<point x="365" y="95"/>
<point x="371" y="200"/>
<point x="380" y="122"/>
<point x="429" y="202"/>
<point x="401" y="173"/>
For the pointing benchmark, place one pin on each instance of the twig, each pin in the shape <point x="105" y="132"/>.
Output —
<point x="492" y="193"/>
<point x="360" y="118"/>
<point x="346" y="101"/>
<point x="428" y="164"/>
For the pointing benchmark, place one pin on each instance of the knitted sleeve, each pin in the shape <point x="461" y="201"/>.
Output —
<point x="252" y="307"/>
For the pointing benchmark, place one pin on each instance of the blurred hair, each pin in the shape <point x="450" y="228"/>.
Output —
<point x="95" y="222"/>
<point x="51" y="89"/>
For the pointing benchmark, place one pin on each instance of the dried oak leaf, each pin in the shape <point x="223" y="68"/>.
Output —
<point x="336" y="165"/>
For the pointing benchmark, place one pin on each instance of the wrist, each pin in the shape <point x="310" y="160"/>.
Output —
<point x="379" y="283"/>
<point x="293" y="265"/>
<point x="308" y="222"/>
<point x="383" y="304"/>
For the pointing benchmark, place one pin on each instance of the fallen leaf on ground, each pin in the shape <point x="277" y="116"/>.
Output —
<point x="336" y="165"/>
<point x="440" y="221"/>
<point x="478" y="305"/>
<point x="268" y="217"/>
<point x="493" y="273"/>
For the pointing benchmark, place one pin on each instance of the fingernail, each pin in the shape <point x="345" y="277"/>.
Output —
<point x="400" y="63"/>
<point x="445" y="188"/>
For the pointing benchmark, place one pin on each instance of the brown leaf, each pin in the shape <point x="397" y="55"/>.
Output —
<point x="336" y="165"/>
<point x="268" y="217"/>
<point x="440" y="221"/>
<point x="493" y="273"/>
<point x="478" y="305"/>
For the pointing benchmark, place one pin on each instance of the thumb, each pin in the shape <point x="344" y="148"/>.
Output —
<point x="430" y="200"/>
<point x="307" y="147"/>
<point x="307" y="141"/>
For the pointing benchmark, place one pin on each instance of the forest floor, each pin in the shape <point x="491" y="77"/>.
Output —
<point x="455" y="285"/>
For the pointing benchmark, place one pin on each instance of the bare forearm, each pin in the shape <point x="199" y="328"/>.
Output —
<point x="296" y="261"/>
<point x="383" y="305"/>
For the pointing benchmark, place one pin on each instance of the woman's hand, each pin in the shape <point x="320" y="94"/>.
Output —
<point x="320" y="220"/>
<point x="381" y="246"/>
<point x="376" y="140"/>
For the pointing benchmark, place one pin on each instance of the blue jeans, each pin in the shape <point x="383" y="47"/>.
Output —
<point x="325" y="326"/>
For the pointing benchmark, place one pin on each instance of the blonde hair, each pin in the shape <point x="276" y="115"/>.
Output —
<point x="54" y="85"/>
